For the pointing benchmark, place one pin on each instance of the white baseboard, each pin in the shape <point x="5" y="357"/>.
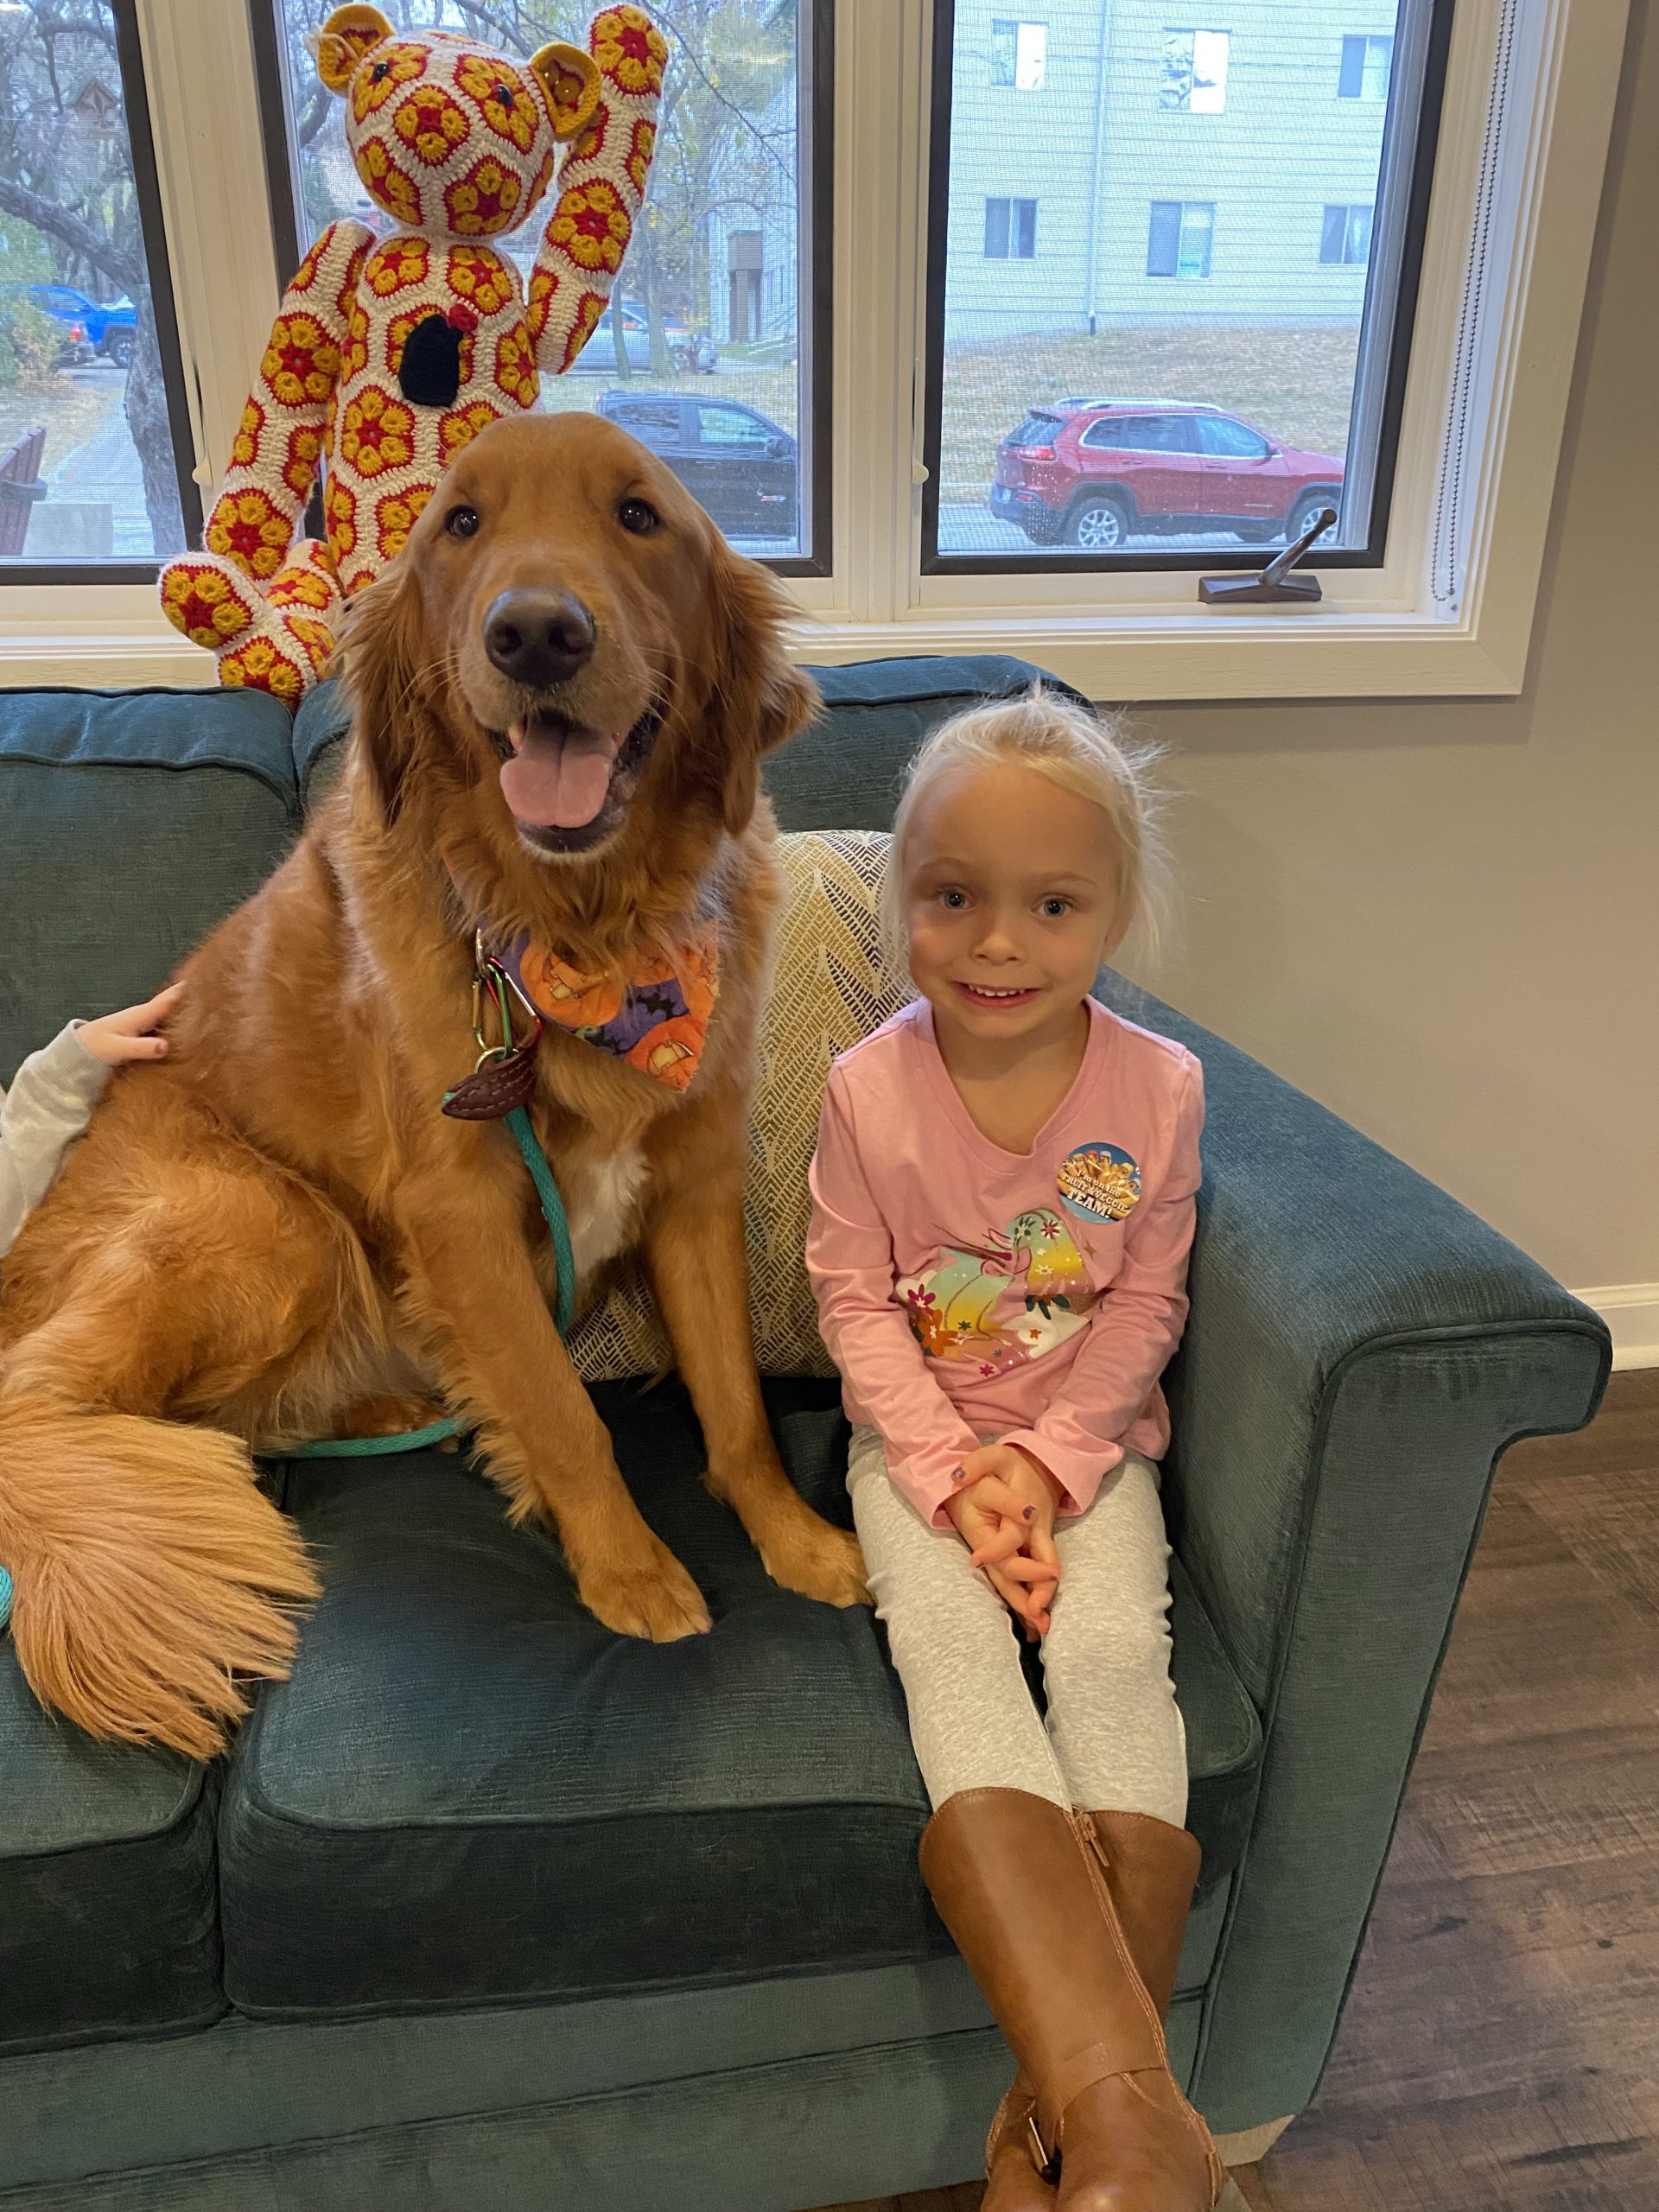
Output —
<point x="1631" y="1311"/>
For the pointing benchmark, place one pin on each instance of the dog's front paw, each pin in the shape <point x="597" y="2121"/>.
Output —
<point x="651" y="1597"/>
<point x="817" y="1561"/>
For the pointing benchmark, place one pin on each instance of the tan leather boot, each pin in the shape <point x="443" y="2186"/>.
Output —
<point x="1018" y="1883"/>
<point x="1152" y="1870"/>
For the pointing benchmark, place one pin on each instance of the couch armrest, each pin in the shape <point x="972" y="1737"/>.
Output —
<point x="1361" y="1350"/>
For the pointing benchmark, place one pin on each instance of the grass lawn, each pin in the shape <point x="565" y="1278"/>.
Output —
<point x="1297" y="385"/>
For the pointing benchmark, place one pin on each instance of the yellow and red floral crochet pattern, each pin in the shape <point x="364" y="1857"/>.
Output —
<point x="389" y="353"/>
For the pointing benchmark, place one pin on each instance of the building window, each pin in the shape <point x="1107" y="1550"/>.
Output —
<point x="1178" y="237"/>
<point x="1195" y="71"/>
<point x="1367" y="62"/>
<point x="96" y="454"/>
<point x="730" y="281"/>
<point x="1019" y="53"/>
<point x="1010" y="230"/>
<point x="1346" y="236"/>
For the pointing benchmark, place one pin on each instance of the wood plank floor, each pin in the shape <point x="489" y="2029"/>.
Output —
<point x="1500" y="2052"/>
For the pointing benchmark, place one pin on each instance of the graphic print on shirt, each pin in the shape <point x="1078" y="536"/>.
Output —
<point x="999" y="1306"/>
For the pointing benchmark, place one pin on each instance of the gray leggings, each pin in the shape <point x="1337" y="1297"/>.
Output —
<point x="1114" y="1742"/>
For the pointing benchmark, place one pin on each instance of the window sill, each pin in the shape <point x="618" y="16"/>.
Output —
<point x="111" y="647"/>
<point x="1322" y="652"/>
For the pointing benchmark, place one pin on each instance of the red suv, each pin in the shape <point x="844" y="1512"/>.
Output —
<point x="1093" y="473"/>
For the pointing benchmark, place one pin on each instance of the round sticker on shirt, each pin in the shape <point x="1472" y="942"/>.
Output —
<point x="1099" y="1182"/>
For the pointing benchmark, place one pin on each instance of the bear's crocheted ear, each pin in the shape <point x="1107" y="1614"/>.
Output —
<point x="348" y="35"/>
<point x="570" y="79"/>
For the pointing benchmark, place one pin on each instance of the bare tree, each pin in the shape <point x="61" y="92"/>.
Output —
<point x="75" y="185"/>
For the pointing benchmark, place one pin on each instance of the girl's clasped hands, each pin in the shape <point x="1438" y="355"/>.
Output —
<point x="1004" y="1511"/>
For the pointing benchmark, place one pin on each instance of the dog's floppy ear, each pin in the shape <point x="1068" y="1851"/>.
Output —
<point x="382" y="654"/>
<point x="760" y="697"/>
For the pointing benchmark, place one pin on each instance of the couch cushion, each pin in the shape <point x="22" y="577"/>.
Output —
<point x="131" y="823"/>
<point x="830" y="987"/>
<point x="107" y="1916"/>
<point x="845" y="771"/>
<point x="469" y="1790"/>
<point x="841" y="774"/>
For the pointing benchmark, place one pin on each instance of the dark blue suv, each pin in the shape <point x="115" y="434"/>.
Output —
<point x="737" y="463"/>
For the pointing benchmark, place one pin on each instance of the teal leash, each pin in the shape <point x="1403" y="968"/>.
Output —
<point x="558" y="1225"/>
<point x="553" y="1214"/>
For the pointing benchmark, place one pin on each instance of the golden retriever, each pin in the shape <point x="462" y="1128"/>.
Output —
<point x="561" y="695"/>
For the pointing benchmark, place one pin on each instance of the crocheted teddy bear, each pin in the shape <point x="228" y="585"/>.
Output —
<point x="389" y="354"/>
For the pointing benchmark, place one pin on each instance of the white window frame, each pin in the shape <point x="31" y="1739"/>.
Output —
<point x="1362" y="98"/>
<point x="1408" y="629"/>
<point x="1441" y="617"/>
<point x="1195" y="32"/>
<point x="1019" y="24"/>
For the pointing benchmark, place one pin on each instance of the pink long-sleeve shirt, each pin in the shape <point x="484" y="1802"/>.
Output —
<point x="965" y="1291"/>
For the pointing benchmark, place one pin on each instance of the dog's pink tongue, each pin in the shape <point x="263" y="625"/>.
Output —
<point x="559" y="774"/>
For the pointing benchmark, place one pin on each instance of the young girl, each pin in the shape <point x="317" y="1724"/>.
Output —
<point x="1002" y="1208"/>
<point x="54" y="1093"/>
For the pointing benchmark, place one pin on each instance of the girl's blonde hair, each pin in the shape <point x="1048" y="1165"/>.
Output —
<point x="1085" y="752"/>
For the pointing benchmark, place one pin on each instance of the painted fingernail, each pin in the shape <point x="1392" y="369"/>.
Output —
<point x="1031" y="1512"/>
<point x="959" y="1474"/>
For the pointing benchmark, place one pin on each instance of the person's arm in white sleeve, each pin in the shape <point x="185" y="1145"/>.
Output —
<point x="51" y="1099"/>
<point x="46" y="1107"/>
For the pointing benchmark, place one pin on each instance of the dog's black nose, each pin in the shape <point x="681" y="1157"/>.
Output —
<point x="538" y="637"/>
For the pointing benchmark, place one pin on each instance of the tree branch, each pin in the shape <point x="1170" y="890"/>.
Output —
<point x="505" y="35"/>
<point x="730" y="105"/>
<point x="122" y="268"/>
<point x="75" y="27"/>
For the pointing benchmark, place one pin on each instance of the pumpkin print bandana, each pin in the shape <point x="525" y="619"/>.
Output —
<point x="656" y="1019"/>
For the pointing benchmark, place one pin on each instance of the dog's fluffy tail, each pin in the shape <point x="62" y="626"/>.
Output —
<point x="152" y="1580"/>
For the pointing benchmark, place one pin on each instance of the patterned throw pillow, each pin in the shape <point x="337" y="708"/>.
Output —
<point x="830" y="987"/>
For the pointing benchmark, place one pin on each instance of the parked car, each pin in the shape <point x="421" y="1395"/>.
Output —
<point x="88" y="328"/>
<point x="735" y="461"/>
<point x="1093" y="473"/>
<point x="687" y="350"/>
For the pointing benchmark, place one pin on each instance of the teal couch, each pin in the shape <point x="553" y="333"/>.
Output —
<point x="489" y="1909"/>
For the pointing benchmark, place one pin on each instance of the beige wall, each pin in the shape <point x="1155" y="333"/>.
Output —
<point x="1442" y="917"/>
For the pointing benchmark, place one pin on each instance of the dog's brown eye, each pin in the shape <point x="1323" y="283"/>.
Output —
<point x="639" y="516"/>
<point x="461" y="522"/>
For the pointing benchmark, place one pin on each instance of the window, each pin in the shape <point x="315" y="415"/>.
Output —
<point x="1194" y="72"/>
<point x="95" y="451"/>
<point x="1142" y="434"/>
<point x="726" y="288"/>
<point x="733" y="426"/>
<point x="655" y="423"/>
<point x="1010" y="230"/>
<point x="1223" y="439"/>
<point x="1141" y="288"/>
<point x="1178" y="239"/>
<point x="1367" y="64"/>
<point x="1346" y="236"/>
<point x="1019" y="54"/>
<point x="1434" y="407"/>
